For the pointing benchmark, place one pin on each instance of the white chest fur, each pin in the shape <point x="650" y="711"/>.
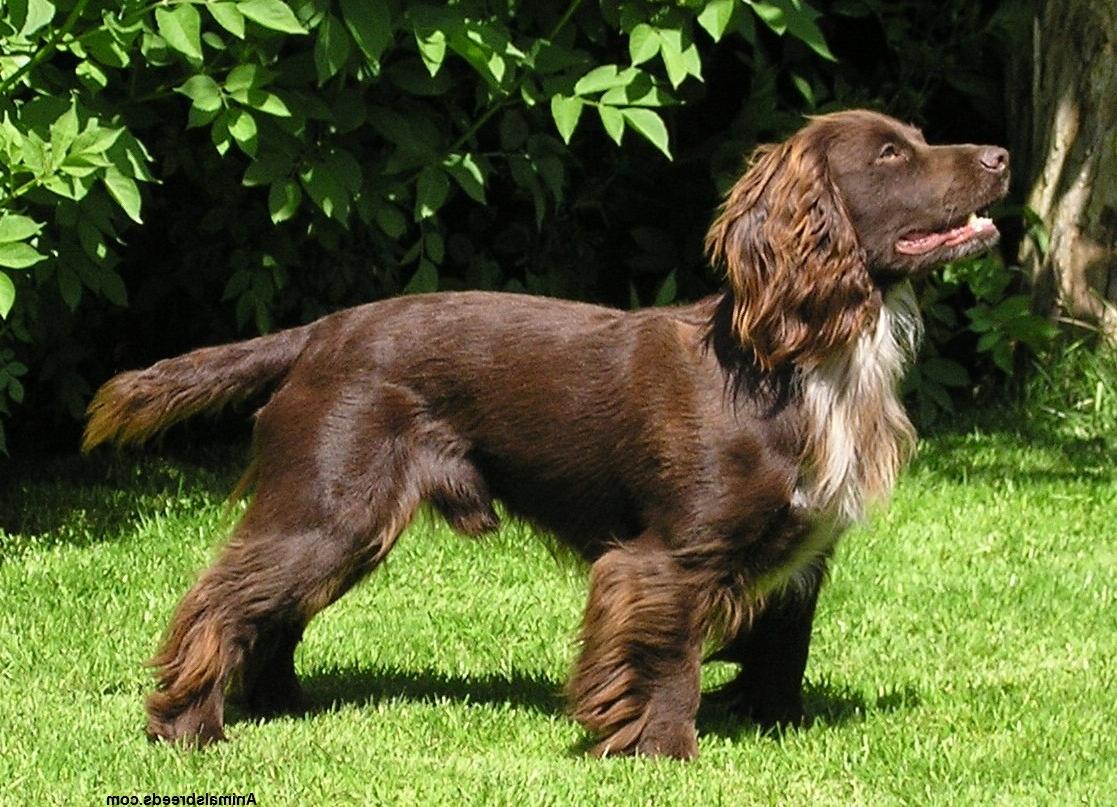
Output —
<point x="858" y="434"/>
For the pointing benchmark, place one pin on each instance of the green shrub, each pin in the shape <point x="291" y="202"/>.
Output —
<point x="179" y="173"/>
<point x="257" y="141"/>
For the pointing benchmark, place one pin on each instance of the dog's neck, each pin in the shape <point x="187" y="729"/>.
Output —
<point x="857" y="432"/>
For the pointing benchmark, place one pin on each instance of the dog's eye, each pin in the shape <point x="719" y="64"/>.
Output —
<point x="889" y="152"/>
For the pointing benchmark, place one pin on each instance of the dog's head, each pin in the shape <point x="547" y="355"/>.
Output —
<point x="819" y="224"/>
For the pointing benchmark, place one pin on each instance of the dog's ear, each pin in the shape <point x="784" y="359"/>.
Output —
<point x="800" y="285"/>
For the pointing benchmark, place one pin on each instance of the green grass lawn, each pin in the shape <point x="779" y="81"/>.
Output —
<point x="965" y="652"/>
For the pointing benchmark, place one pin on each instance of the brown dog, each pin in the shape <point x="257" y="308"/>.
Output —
<point x="703" y="459"/>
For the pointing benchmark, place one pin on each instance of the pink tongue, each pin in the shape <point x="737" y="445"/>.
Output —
<point x="920" y="243"/>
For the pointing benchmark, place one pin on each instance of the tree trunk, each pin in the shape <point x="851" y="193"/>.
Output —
<point x="1063" y="105"/>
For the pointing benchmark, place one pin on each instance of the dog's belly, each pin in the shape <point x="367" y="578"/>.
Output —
<point x="584" y="513"/>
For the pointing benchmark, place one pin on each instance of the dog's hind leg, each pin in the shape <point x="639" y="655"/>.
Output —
<point x="244" y="617"/>
<point x="636" y="683"/>
<point x="332" y="497"/>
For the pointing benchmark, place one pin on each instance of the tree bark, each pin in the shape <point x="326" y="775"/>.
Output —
<point x="1063" y="105"/>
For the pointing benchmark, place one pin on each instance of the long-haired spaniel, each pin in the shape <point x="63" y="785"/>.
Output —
<point x="702" y="459"/>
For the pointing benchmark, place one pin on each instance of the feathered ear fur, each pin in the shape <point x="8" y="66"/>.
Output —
<point x="797" y="274"/>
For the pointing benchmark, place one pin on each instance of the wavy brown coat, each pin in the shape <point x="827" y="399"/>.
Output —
<point x="703" y="459"/>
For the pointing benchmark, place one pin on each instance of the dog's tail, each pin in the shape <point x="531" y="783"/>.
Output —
<point x="133" y="406"/>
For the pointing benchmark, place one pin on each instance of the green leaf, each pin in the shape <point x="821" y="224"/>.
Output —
<point x="125" y="191"/>
<point x="1011" y="307"/>
<point x="613" y="121"/>
<point x="434" y="246"/>
<point x="198" y="117"/>
<point x="91" y="76"/>
<point x="237" y="285"/>
<point x="271" y="14"/>
<point x="464" y="169"/>
<point x="937" y="393"/>
<point x="345" y="166"/>
<point x="95" y="140"/>
<point x="988" y="340"/>
<point x="643" y="43"/>
<point x="772" y="14"/>
<point x="242" y="126"/>
<point x="550" y="168"/>
<point x="39" y="13"/>
<point x="601" y="78"/>
<point x="668" y="290"/>
<point x="33" y="151"/>
<point x="283" y="200"/>
<point x="331" y="48"/>
<point x="103" y="46"/>
<point x="268" y="167"/>
<point x="648" y="123"/>
<point x="798" y="19"/>
<point x="946" y="372"/>
<point x="566" y="112"/>
<point x="482" y="47"/>
<point x="246" y="77"/>
<point x="92" y="241"/>
<point x="715" y="17"/>
<point x="63" y="131"/>
<point x="641" y="92"/>
<point x="390" y="220"/>
<point x="804" y="88"/>
<point x="112" y="287"/>
<point x="228" y="17"/>
<point x="680" y="57"/>
<point x="432" y="48"/>
<point x="430" y="192"/>
<point x="181" y="27"/>
<point x="17" y="228"/>
<point x="19" y="255"/>
<point x="370" y="23"/>
<point x="264" y="101"/>
<point x="1002" y="357"/>
<point x="424" y="281"/>
<point x="69" y="184"/>
<point x="7" y="295"/>
<point x="203" y="91"/>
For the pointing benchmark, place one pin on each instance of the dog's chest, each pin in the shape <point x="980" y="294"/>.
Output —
<point x="857" y="435"/>
<point x="799" y="569"/>
<point x="857" y="432"/>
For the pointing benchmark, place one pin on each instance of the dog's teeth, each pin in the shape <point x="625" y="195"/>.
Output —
<point x="977" y="222"/>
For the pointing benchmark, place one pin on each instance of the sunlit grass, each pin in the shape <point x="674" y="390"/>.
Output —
<point x="965" y="652"/>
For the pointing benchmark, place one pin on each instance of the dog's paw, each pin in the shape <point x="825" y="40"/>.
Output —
<point x="768" y="710"/>
<point x="673" y="740"/>
<point x="185" y="731"/>
<point x="670" y="740"/>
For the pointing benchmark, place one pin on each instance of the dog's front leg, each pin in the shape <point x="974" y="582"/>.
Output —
<point x="636" y="684"/>
<point x="772" y="652"/>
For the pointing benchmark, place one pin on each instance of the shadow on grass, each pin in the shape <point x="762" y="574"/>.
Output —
<point x="827" y="704"/>
<point x="76" y="500"/>
<point x="1017" y="456"/>
<point x="326" y="691"/>
<point x="1059" y="446"/>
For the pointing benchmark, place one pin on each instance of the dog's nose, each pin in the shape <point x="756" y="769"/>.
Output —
<point x="993" y="158"/>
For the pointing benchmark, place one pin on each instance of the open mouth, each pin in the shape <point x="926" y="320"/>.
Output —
<point x="976" y="228"/>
